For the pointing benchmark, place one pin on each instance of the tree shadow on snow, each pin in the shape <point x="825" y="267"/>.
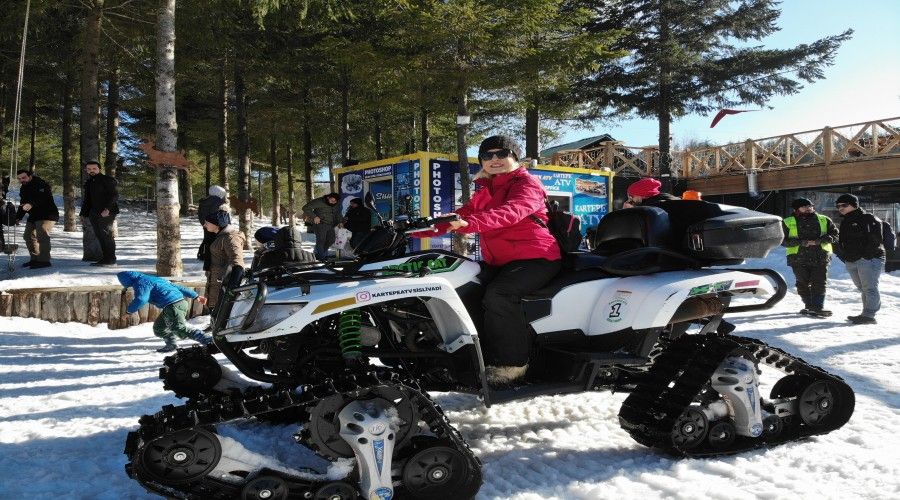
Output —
<point x="128" y="409"/>
<point x="90" y="466"/>
<point x="59" y="389"/>
<point x="861" y="384"/>
<point x="11" y="339"/>
<point x="511" y="472"/>
<point x="34" y="376"/>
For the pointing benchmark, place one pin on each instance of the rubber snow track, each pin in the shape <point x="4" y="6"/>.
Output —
<point x="680" y="374"/>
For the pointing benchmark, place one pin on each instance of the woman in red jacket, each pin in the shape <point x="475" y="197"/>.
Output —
<point x="521" y="254"/>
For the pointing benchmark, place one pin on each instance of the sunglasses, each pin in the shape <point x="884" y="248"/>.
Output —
<point x="842" y="205"/>
<point x="488" y="155"/>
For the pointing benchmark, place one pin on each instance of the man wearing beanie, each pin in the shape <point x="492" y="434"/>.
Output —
<point x="323" y="214"/>
<point x="212" y="203"/>
<point x="861" y="247"/>
<point x="808" y="237"/>
<point x="227" y="249"/>
<point x="645" y="192"/>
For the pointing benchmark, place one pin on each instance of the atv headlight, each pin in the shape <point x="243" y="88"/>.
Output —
<point x="272" y="314"/>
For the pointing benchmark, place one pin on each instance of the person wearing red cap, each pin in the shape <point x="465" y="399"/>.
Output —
<point x="645" y="192"/>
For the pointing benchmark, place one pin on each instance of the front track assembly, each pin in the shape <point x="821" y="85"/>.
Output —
<point x="176" y="452"/>
<point x="666" y="409"/>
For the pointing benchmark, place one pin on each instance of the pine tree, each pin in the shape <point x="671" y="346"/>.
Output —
<point x="695" y="56"/>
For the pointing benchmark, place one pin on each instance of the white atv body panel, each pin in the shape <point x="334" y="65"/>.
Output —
<point x="612" y="304"/>
<point x="325" y="299"/>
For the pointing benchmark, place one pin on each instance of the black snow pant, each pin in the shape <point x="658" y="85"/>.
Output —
<point x="811" y="283"/>
<point x="103" y="229"/>
<point x="506" y="340"/>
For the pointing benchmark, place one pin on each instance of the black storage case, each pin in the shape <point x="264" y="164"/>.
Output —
<point x="737" y="234"/>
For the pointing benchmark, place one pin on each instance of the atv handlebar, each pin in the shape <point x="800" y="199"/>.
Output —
<point x="416" y="224"/>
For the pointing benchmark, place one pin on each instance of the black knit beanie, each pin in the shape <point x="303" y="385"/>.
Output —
<point x="800" y="202"/>
<point x="848" y="198"/>
<point x="500" y="142"/>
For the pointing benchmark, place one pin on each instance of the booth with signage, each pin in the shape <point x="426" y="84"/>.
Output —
<point x="429" y="184"/>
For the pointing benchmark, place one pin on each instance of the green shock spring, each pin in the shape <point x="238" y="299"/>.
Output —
<point x="349" y="333"/>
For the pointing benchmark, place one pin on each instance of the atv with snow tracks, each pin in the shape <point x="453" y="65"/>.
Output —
<point x="349" y="351"/>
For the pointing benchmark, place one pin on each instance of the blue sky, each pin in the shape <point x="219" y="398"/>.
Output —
<point x="862" y="85"/>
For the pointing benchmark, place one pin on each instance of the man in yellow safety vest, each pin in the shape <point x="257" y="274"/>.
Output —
<point x="808" y="237"/>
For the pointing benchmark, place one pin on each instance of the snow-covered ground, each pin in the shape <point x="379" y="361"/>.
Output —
<point x="69" y="393"/>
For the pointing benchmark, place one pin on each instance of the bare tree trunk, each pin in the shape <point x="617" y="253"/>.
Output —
<point x="168" y="228"/>
<point x="243" y="146"/>
<point x="345" y="116"/>
<point x="90" y="68"/>
<point x="111" y="158"/>
<point x="70" y="222"/>
<point x="290" y="180"/>
<point x="33" y="133"/>
<point x="411" y="141"/>
<point x="379" y="148"/>
<point x="185" y="196"/>
<point x="462" y="125"/>
<point x="259" y="202"/>
<point x="89" y="140"/>
<point x="663" y="112"/>
<point x="223" y="125"/>
<point x="532" y="132"/>
<point x="2" y="107"/>
<point x="423" y="125"/>
<point x="207" y="173"/>
<point x="112" y="123"/>
<point x="307" y="148"/>
<point x="276" y="193"/>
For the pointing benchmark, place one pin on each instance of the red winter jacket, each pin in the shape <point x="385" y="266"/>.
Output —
<point x="501" y="212"/>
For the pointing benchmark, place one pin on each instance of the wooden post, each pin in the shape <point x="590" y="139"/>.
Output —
<point x="827" y="145"/>
<point x="6" y="303"/>
<point x="48" y="312"/>
<point x="93" y="315"/>
<point x="79" y="307"/>
<point x="749" y="155"/>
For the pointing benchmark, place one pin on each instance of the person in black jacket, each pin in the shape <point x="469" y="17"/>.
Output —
<point x="861" y="247"/>
<point x="358" y="220"/>
<point x="36" y="201"/>
<point x="100" y="206"/>
<point x="809" y="238"/>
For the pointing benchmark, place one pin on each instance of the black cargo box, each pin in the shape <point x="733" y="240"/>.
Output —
<point x="738" y="233"/>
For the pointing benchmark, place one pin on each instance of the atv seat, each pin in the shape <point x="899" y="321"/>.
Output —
<point x="632" y="228"/>
<point x="568" y="277"/>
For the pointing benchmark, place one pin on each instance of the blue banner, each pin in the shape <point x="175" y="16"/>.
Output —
<point x="586" y="196"/>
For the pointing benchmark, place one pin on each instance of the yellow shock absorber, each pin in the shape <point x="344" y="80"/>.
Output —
<point x="349" y="333"/>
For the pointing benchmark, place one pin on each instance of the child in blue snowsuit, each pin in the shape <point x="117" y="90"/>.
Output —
<point x="169" y="297"/>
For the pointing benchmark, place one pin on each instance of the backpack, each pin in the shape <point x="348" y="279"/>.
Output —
<point x="888" y="236"/>
<point x="565" y="227"/>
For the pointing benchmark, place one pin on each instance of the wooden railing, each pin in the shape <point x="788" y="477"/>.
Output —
<point x="874" y="139"/>
<point x="613" y="155"/>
